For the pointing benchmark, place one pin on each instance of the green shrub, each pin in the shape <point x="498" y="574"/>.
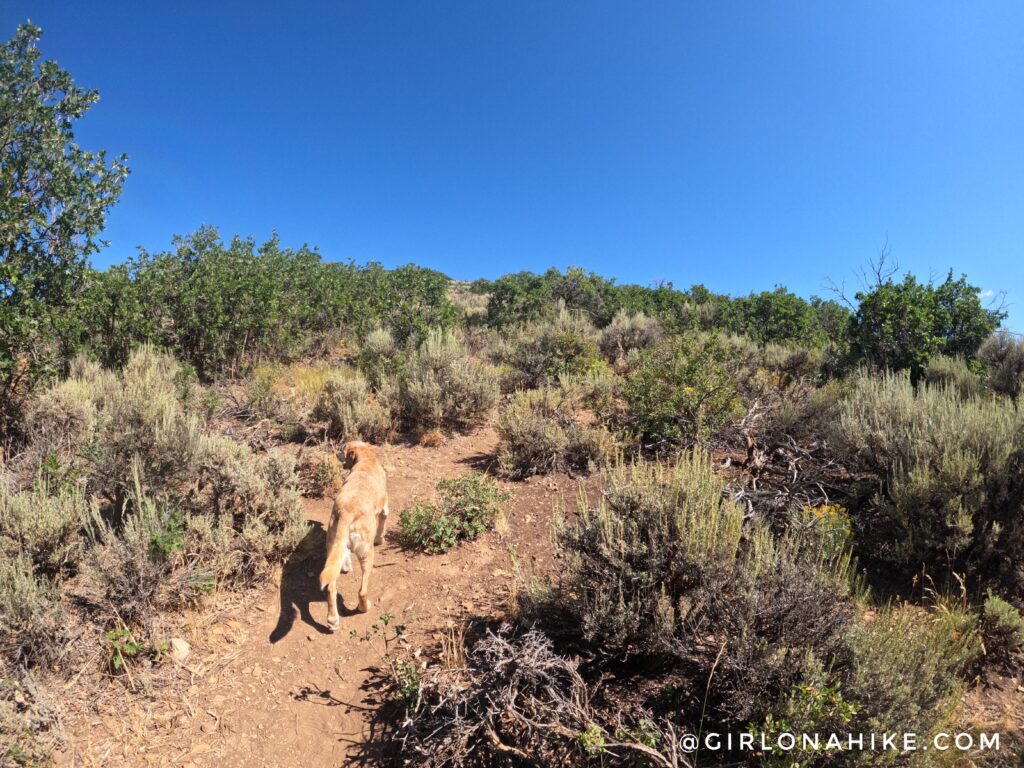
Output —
<point x="948" y="473"/>
<point x="443" y="388"/>
<point x="679" y="393"/>
<point x="541" y="431"/>
<point x="31" y="615"/>
<point x="565" y="344"/>
<point x="466" y="507"/>
<point x="952" y="372"/>
<point x="43" y="524"/>
<point x="350" y="409"/>
<point x="1002" y="628"/>
<point x="899" y="325"/>
<point x="1003" y="355"/>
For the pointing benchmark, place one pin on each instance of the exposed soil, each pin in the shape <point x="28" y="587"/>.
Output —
<point x="266" y="683"/>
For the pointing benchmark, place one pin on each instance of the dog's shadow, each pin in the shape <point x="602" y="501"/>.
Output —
<point x="300" y="587"/>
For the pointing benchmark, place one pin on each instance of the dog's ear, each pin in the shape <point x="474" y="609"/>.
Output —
<point x="350" y="455"/>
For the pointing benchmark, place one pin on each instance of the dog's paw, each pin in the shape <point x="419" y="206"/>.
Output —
<point x="333" y="624"/>
<point x="364" y="604"/>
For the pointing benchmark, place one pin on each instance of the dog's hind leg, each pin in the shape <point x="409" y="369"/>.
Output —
<point x="333" y="619"/>
<point x="382" y="522"/>
<point x="366" y="561"/>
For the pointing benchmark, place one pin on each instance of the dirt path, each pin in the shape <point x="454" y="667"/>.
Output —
<point x="268" y="685"/>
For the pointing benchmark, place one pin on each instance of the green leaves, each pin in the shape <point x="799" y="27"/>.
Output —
<point x="900" y="325"/>
<point x="54" y="198"/>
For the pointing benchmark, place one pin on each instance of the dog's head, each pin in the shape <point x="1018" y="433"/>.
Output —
<point x="352" y="451"/>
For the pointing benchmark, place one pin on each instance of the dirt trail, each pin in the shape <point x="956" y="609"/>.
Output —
<point x="268" y="685"/>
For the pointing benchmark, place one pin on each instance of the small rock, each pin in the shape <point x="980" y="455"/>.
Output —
<point x="179" y="649"/>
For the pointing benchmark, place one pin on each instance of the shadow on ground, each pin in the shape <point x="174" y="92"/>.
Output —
<point x="299" y="586"/>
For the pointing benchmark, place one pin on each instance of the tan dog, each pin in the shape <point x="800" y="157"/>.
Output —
<point x="358" y="519"/>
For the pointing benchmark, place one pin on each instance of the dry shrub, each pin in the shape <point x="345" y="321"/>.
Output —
<point x="135" y="564"/>
<point x="430" y="438"/>
<point x="253" y="510"/>
<point x="665" y="565"/>
<point x="138" y="413"/>
<point x="906" y="668"/>
<point x="320" y="472"/>
<point x="63" y="418"/>
<point x="443" y="388"/>
<point x="952" y="372"/>
<point x="950" y="485"/>
<point x="628" y="332"/>
<point x="516" y="701"/>
<point x="31" y="616"/>
<point x="1002" y="627"/>
<point x="145" y="446"/>
<point x="565" y="344"/>
<point x="542" y="431"/>
<point x="377" y="356"/>
<point x="44" y="524"/>
<point x="1003" y="355"/>
<point x="30" y="726"/>
<point x="350" y="409"/>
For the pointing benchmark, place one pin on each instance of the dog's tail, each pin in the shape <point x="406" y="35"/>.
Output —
<point x="339" y="556"/>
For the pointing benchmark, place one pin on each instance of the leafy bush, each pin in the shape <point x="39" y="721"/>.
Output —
<point x="56" y="196"/>
<point x="952" y="372"/>
<point x="900" y="325"/>
<point x="948" y="473"/>
<point x="1002" y="628"/>
<point x="565" y="344"/>
<point x="679" y="393"/>
<point x="541" y="431"/>
<point x="526" y="297"/>
<point x="443" y="388"/>
<point x="351" y="411"/>
<point x="1003" y="354"/>
<point x="43" y="525"/>
<point x="31" y="616"/>
<point x="627" y="332"/>
<point x="466" y="507"/>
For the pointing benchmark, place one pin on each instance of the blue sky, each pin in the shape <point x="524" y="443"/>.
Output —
<point x="735" y="144"/>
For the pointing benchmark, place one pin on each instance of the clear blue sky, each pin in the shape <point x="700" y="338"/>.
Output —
<point x="736" y="144"/>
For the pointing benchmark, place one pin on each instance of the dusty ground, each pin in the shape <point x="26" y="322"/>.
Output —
<point x="267" y="685"/>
